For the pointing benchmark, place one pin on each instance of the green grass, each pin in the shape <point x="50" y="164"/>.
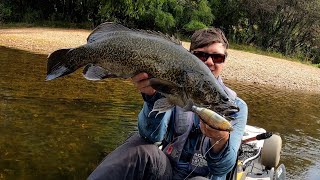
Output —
<point x="257" y="50"/>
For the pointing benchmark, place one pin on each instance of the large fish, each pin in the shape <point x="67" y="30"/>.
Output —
<point x="113" y="50"/>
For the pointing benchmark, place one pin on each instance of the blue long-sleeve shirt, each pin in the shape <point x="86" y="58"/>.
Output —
<point x="156" y="129"/>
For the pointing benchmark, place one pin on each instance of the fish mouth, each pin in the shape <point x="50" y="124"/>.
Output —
<point x="59" y="71"/>
<point x="226" y="109"/>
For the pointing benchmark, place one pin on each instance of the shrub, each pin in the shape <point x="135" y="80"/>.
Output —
<point x="5" y="13"/>
<point x="194" y="25"/>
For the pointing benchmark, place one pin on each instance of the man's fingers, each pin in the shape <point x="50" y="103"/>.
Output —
<point x="211" y="132"/>
<point x="147" y="90"/>
<point x="144" y="87"/>
<point x="142" y="83"/>
<point x="139" y="77"/>
<point x="202" y="127"/>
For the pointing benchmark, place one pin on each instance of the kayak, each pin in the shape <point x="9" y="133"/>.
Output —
<point x="259" y="156"/>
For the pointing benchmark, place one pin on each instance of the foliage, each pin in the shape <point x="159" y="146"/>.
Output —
<point x="289" y="27"/>
<point x="5" y="12"/>
<point x="194" y="25"/>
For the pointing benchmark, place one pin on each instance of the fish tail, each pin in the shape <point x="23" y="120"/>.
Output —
<point x="57" y="64"/>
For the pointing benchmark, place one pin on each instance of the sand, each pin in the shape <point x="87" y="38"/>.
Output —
<point x="241" y="66"/>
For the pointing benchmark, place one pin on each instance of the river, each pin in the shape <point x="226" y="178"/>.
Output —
<point x="61" y="129"/>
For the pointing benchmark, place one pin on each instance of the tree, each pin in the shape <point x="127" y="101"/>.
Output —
<point x="198" y="15"/>
<point x="287" y="26"/>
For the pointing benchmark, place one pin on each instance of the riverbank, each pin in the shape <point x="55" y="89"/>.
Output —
<point x="242" y="66"/>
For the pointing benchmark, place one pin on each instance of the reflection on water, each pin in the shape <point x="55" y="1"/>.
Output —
<point x="58" y="129"/>
<point x="61" y="129"/>
<point x="295" y="116"/>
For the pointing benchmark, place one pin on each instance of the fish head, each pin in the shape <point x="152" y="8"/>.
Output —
<point x="215" y="103"/>
<point x="205" y="91"/>
<point x="65" y="61"/>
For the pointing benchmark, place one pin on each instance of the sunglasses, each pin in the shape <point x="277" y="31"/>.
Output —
<point x="216" y="58"/>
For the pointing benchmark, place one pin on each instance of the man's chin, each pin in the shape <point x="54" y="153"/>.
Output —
<point x="214" y="74"/>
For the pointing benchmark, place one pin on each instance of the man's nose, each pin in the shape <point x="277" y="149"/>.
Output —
<point x="209" y="61"/>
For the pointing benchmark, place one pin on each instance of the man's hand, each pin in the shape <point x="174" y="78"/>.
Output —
<point x="215" y="135"/>
<point x="141" y="81"/>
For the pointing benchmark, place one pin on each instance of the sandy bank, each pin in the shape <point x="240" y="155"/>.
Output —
<point x="242" y="66"/>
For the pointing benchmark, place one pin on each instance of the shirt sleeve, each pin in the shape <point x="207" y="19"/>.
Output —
<point x="152" y="127"/>
<point x="222" y="163"/>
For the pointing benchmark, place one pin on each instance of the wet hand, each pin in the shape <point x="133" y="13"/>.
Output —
<point x="141" y="81"/>
<point x="217" y="138"/>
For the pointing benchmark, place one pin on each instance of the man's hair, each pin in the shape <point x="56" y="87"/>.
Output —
<point x="205" y="37"/>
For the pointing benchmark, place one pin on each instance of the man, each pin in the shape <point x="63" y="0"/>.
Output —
<point x="189" y="148"/>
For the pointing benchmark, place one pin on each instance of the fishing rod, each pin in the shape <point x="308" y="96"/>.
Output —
<point x="261" y="136"/>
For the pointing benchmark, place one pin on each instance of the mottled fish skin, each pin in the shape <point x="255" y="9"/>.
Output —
<point x="178" y="74"/>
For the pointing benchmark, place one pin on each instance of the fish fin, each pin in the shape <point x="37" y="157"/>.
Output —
<point x="160" y="34"/>
<point x="57" y="64"/>
<point x="188" y="106"/>
<point x="94" y="72"/>
<point x="161" y="105"/>
<point x="163" y="86"/>
<point x="103" y="29"/>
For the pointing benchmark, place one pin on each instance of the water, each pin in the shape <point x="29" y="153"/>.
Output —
<point x="61" y="129"/>
<point x="295" y="116"/>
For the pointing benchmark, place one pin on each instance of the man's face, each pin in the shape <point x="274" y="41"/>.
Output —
<point x="215" y="60"/>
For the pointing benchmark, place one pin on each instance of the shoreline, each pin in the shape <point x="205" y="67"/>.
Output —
<point x="241" y="66"/>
